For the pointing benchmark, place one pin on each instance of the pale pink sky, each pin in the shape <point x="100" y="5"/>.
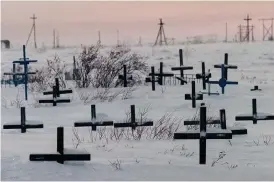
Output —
<point x="78" y="22"/>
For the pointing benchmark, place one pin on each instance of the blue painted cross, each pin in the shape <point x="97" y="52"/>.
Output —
<point x="223" y="82"/>
<point x="25" y="61"/>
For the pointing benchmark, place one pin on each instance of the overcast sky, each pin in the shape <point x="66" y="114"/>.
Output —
<point x="78" y="22"/>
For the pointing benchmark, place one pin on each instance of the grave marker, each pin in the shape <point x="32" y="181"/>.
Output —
<point x="24" y="125"/>
<point x="255" y="117"/>
<point x="256" y="88"/>
<point x="93" y="123"/>
<point x="193" y="95"/>
<point x="124" y="76"/>
<point x="133" y="124"/>
<point x="181" y="68"/>
<point x="62" y="154"/>
<point x="204" y="76"/>
<point x="203" y="135"/>
<point x="226" y="67"/>
<point x="223" y="82"/>
<point x="22" y="61"/>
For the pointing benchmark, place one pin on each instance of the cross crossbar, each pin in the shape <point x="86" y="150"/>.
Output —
<point x="23" y="126"/>
<point x="193" y="95"/>
<point x="255" y="117"/>
<point x="93" y="123"/>
<point x="61" y="156"/>
<point x="133" y="124"/>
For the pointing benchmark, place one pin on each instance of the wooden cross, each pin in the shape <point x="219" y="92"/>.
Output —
<point x="222" y="122"/>
<point x="124" y="76"/>
<point x="23" y="125"/>
<point x="256" y="88"/>
<point x="193" y="95"/>
<point x="62" y="154"/>
<point x="181" y="68"/>
<point x="226" y="67"/>
<point x="133" y="124"/>
<point x="204" y="76"/>
<point x="22" y="61"/>
<point x="223" y="82"/>
<point x="56" y="92"/>
<point x="203" y="135"/>
<point x="255" y="117"/>
<point x="93" y="123"/>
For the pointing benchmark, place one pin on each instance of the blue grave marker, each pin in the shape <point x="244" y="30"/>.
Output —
<point x="24" y="61"/>
<point x="223" y="82"/>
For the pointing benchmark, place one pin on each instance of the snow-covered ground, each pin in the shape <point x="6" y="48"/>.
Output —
<point x="247" y="157"/>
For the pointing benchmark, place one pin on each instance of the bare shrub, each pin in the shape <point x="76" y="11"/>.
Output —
<point x="116" y="164"/>
<point x="87" y="61"/>
<point x="222" y="154"/>
<point x="77" y="140"/>
<point x="165" y="127"/>
<point x="45" y="76"/>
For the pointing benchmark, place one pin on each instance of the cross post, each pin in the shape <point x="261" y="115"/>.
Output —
<point x="133" y="124"/>
<point x="255" y="117"/>
<point x="193" y="95"/>
<point x="222" y="81"/>
<point x="93" y="123"/>
<point x="62" y="154"/>
<point x="23" y="125"/>
<point x="204" y="76"/>
<point x="226" y="66"/>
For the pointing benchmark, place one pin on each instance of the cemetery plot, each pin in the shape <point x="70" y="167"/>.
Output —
<point x="181" y="68"/>
<point x="204" y="76"/>
<point x="93" y="123"/>
<point x="62" y="154"/>
<point x="157" y="77"/>
<point x="255" y="117"/>
<point x="25" y="124"/>
<point x="203" y="135"/>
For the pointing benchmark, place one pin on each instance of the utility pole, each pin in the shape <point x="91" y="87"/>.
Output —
<point x="161" y="37"/>
<point x="99" y="38"/>
<point x="267" y="31"/>
<point x="57" y="40"/>
<point x="226" y="32"/>
<point x="118" y="41"/>
<point x="247" y="19"/>
<point x="140" y="41"/>
<point x="33" y="29"/>
<point x="54" y="39"/>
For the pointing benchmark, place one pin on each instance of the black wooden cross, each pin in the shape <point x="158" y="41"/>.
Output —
<point x="62" y="154"/>
<point x="124" y="77"/>
<point x="204" y="76"/>
<point x="234" y="129"/>
<point x="157" y="77"/>
<point x="23" y="125"/>
<point x="203" y="135"/>
<point x="222" y="81"/>
<point x="221" y="121"/>
<point x="93" y="123"/>
<point x="227" y="66"/>
<point x="55" y="94"/>
<point x="256" y="88"/>
<point x="255" y="116"/>
<point x="181" y="68"/>
<point x="133" y="124"/>
<point x="193" y="95"/>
